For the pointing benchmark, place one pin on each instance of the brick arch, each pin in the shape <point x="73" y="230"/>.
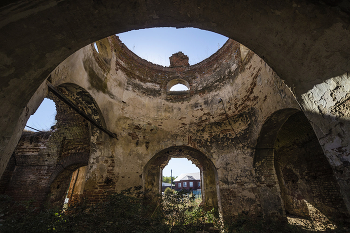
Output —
<point x="72" y="162"/>
<point x="76" y="148"/>
<point x="152" y="173"/>
<point x="305" y="177"/>
<point x="292" y="170"/>
<point x="83" y="99"/>
<point x="267" y="182"/>
<point x="61" y="177"/>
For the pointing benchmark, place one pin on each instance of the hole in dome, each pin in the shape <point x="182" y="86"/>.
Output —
<point x="158" y="44"/>
<point x="179" y="87"/>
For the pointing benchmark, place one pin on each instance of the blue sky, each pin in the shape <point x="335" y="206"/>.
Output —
<point x="179" y="166"/>
<point x="158" y="44"/>
<point x="155" y="45"/>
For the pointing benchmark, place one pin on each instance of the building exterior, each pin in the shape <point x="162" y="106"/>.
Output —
<point x="188" y="181"/>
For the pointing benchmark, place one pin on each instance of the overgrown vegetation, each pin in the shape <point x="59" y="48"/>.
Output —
<point x="126" y="212"/>
<point x="167" y="179"/>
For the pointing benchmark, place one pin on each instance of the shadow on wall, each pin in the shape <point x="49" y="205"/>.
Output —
<point x="292" y="170"/>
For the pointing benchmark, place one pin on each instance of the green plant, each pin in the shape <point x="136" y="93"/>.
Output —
<point x="168" y="191"/>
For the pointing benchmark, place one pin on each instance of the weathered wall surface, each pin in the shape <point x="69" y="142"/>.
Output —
<point x="232" y="95"/>
<point x="327" y="106"/>
<point x="131" y="94"/>
<point x="40" y="157"/>
<point x="304" y="173"/>
<point x="305" y="42"/>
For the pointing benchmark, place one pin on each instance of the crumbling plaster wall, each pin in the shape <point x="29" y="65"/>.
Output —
<point x="305" y="41"/>
<point x="327" y="106"/>
<point x="146" y="122"/>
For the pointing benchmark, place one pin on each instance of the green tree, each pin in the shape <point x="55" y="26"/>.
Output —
<point x="167" y="179"/>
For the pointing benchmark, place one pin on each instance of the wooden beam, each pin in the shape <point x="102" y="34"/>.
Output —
<point x="81" y="113"/>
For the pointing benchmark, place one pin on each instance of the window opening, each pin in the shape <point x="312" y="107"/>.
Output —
<point x="96" y="48"/>
<point x="179" y="87"/>
<point x="43" y="118"/>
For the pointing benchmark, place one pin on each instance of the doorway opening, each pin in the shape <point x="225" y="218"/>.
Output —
<point x="184" y="176"/>
<point x="296" y="180"/>
<point x="153" y="175"/>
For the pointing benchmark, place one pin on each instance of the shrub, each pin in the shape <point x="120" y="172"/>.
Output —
<point x="168" y="191"/>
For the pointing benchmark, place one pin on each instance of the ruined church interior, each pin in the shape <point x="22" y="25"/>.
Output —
<point x="266" y="118"/>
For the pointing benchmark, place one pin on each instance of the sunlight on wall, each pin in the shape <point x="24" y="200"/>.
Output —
<point x="318" y="222"/>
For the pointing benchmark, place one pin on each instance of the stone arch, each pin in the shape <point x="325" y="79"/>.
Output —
<point x="83" y="99"/>
<point x="292" y="172"/>
<point x="153" y="169"/>
<point x="267" y="181"/>
<point x="61" y="178"/>
<point x="46" y="159"/>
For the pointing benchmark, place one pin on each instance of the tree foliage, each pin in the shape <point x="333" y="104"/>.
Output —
<point x="167" y="179"/>
<point x="168" y="191"/>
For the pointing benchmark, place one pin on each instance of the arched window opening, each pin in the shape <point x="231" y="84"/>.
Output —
<point x="43" y="118"/>
<point x="67" y="187"/>
<point x="154" y="170"/>
<point x="179" y="87"/>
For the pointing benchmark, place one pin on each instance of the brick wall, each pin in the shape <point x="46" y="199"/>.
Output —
<point x="304" y="172"/>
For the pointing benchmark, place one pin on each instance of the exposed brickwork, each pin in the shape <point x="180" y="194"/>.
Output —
<point x="304" y="172"/>
<point x="202" y="77"/>
<point x="179" y="59"/>
<point x="46" y="159"/>
<point x="6" y="177"/>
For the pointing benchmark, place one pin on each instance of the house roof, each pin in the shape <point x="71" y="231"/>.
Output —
<point x="188" y="176"/>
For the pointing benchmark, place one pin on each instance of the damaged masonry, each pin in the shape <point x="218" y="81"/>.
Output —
<point x="118" y="125"/>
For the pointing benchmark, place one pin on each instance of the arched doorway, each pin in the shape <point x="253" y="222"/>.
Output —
<point x="78" y="143"/>
<point x="292" y="172"/>
<point x="152" y="174"/>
